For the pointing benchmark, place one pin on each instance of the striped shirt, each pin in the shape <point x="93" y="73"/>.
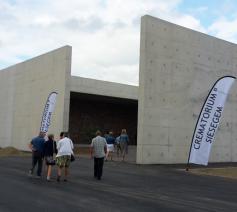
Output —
<point x="99" y="144"/>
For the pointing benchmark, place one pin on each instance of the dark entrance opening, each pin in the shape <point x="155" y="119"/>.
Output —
<point x="89" y="113"/>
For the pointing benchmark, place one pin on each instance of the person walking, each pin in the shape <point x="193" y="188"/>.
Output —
<point x="63" y="157"/>
<point x="49" y="149"/>
<point x="37" y="147"/>
<point x="110" y="145"/>
<point x="118" y="147"/>
<point x="98" y="150"/>
<point x="123" y="140"/>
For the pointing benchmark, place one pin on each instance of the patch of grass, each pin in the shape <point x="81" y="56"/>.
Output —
<point x="229" y="172"/>
<point x="11" y="151"/>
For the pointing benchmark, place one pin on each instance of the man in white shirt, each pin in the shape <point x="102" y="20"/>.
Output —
<point x="98" y="150"/>
<point x="63" y="158"/>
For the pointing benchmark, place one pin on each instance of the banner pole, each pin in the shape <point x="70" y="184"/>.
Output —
<point x="187" y="167"/>
<point x="188" y="164"/>
<point x="47" y="112"/>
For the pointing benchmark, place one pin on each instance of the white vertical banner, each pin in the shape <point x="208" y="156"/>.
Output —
<point x="48" y="110"/>
<point x="208" y="121"/>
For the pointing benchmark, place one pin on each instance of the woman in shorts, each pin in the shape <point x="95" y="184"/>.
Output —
<point x="110" y="145"/>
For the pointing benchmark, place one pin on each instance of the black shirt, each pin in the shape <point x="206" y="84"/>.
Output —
<point x="50" y="148"/>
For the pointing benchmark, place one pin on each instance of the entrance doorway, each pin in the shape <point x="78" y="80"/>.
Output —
<point x="89" y="113"/>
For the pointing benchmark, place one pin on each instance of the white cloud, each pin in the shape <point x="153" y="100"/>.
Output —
<point x="184" y="20"/>
<point x="104" y="34"/>
<point x="225" y="29"/>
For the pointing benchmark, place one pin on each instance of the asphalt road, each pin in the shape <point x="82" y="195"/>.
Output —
<point x="124" y="187"/>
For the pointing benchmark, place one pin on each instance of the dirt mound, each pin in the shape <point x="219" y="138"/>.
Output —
<point x="8" y="151"/>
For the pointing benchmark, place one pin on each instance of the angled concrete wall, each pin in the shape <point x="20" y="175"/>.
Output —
<point x="24" y="89"/>
<point x="103" y="88"/>
<point x="178" y="67"/>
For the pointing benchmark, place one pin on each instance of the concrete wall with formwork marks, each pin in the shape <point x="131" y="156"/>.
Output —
<point x="24" y="89"/>
<point x="178" y="67"/>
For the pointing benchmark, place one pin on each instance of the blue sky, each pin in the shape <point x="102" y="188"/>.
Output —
<point x="200" y="9"/>
<point x="209" y="11"/>
<point x="104" y="34"/>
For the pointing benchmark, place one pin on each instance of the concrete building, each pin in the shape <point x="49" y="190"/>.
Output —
<point x="92" y="104"/>
<point x="178" y="66"/>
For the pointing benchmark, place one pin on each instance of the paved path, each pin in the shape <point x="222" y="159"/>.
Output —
<point x="124" y="187"/>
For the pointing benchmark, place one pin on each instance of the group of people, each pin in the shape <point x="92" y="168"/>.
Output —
<point x="101" y="147"/>
<point x="44" y="147"/>
<point x="120" y="143"/>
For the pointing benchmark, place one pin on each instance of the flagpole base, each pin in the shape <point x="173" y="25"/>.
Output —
<point x="187" y="167"/>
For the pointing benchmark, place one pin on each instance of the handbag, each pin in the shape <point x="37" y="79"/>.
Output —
<point x="72" y="155"/>
<point x="72" y="158"/>
<point x="50" y="160"/>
